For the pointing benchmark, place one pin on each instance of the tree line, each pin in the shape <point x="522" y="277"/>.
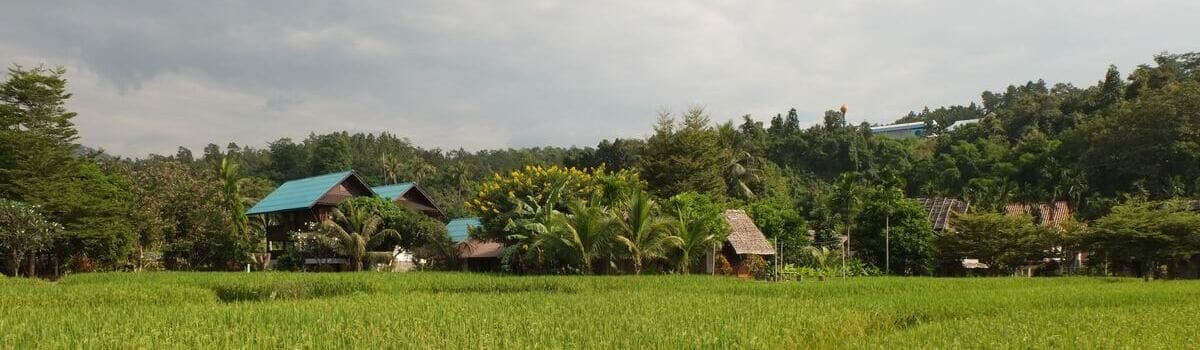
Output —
<point x="1116" y="150"/>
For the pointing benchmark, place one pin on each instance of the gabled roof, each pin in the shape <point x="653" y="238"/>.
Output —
<point x="397" y="192"/>
<point x="393" y="192"/>
<point x="744" y="236"/>
<point x="940" y="209"/>
<point x="301" y="193"/>
<point x="1050" y="215"/>
<point x="460" y="228"/>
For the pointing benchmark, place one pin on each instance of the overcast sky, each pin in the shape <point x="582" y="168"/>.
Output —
<point x="148" y="76"/>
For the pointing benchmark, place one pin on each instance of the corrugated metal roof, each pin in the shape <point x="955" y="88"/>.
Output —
<point x="393" y="192"/>
<point x="941" y="209"/>
<point x="460" y="229"/>
<point x="894" y="127"/>
<point x="298" y="194"/>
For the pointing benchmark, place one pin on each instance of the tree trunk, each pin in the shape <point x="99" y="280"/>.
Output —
<point x="14" y="262"/>
<point x="32" y="272"/>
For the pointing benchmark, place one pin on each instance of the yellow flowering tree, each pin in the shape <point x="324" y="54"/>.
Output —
<point x="498" y="198"/>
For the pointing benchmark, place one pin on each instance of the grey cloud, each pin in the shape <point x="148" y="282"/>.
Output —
<point x="480" y="74"/>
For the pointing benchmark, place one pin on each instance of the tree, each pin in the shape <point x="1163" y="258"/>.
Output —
<point x="685" y="156"/>
<point x="892" y="227"/>
<point x="741" y="175"/>
<point x="1002" y="242"/>
<point x="330" y="153"/>
<point x="354" y="229"/>
<point x="1146" y="234"/>
<point x="582" y="237"/>
<point x="699" y="224"/>
<point x="23" y="233"/>
<point x="643" y="232"/>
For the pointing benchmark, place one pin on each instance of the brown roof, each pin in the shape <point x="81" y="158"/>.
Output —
<point x="744" y="236"/>
<point x="940" y="209"/>
<point x="1049" y="215"/>
<point x="473" y="248"/>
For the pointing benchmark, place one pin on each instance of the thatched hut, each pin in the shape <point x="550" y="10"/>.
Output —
<point x="745" y="244"/>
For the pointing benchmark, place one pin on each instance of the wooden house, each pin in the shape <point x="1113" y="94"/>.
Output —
<point x="411" y="196"/>
<point x="744" y="241"/>
<point x="296" y="204"/>
<point x="476" y="255"/>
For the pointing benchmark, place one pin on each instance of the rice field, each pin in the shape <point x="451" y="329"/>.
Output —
<point x="457" y="311"/>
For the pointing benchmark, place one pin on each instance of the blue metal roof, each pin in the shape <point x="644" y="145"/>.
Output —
<point x="393" y="192"/>
<point x="460" y="229"/>
<point x="298" y="194"/>
<point x="895" y="127"/>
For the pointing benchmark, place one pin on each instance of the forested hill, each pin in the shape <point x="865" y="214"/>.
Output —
<point x="1129" y="135"/>
<point x="1126" y="135"/>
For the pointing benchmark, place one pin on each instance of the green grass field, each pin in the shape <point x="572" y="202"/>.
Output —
<point x="453" y="311"/>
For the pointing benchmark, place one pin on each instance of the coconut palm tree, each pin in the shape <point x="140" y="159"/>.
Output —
<point x="643" y="232"/>
<point x="582" y="236"/>
<point x="740" y="175"/>
<point x="391" y="168"/>
<point x="694" y="236"/>
<point x="354" y="229"/>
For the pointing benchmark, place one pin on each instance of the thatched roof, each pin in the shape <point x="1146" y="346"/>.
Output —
<point x="940" y="209"/>
<point x="744" y="236"/>
<point x="1049" y="215"/>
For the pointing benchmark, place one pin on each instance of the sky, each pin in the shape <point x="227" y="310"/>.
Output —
<point x="149" y="76"/>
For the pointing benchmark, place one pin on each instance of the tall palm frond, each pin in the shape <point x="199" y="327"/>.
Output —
<point x="643" y="232"/>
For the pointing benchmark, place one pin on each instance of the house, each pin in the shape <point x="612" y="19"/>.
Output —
<point x="476" y="255"/>
<point x="297" y="203"/>
<point x="900" y="131"/>
<point x="941" y="209"/>
<point x="411" y="196"/>
<point x="745" y="240"/>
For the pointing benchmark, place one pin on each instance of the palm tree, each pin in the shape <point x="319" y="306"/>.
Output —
<point x="643" y="232"/>
<point x="354" y="230"/>
<point x="419" y="168"/>
<point x="740" y="175"/>
<point x="695" y="238"/>
<point x="391" y="168"/>
<point x="582" y="236"/>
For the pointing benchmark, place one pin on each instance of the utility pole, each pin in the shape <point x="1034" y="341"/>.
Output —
<point x="887" y="244"/>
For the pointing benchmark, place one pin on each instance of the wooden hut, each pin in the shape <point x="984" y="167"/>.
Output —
<point x="476" y="255"/>
<point x="744" y="241"/>
<point x="296" y="204"/>
<point x="411" y="196"/>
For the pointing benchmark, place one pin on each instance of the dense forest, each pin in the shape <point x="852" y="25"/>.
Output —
<point x="1124" y="153"/>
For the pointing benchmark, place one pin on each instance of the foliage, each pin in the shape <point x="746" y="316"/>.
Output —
<point x="1146" y="234"/>
<point x="644" y="232"/>
<point x="24" y="232"/>
<point x="685" y="156"/>
<point x="353" y="229"/>
<point x="1002" y="242"/>
<point x="700" y="225"/>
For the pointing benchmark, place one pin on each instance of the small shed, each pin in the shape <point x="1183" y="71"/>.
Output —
<point x="476" y="255"/>
<point x="744" y="241"/>
<point x="411" y="196"/>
